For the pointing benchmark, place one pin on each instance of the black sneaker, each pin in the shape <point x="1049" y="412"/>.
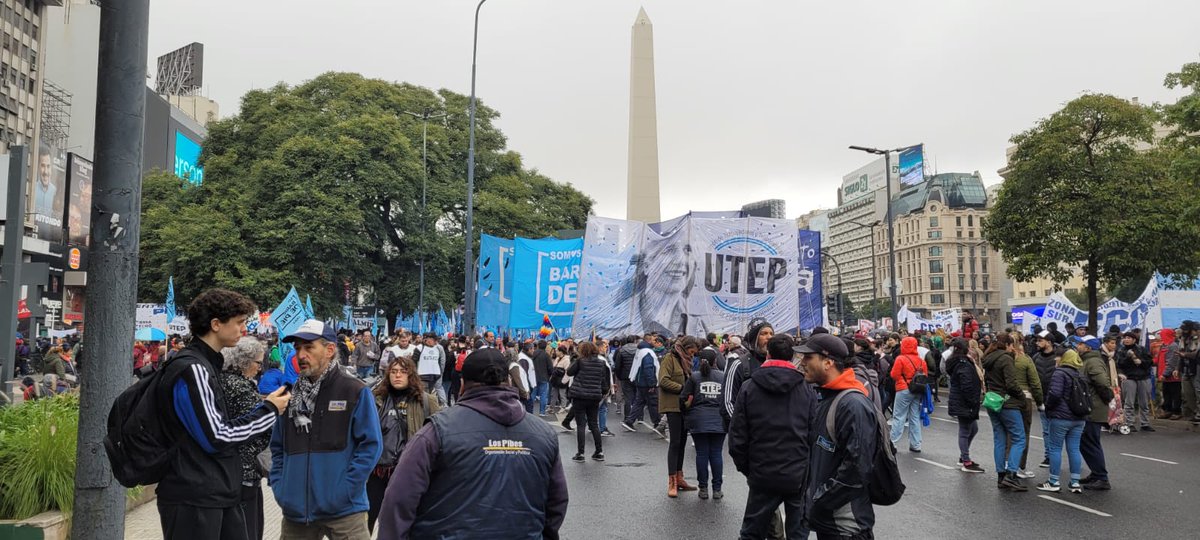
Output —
<point x="628" y="427"/>
<point x="598" y="456"/>
<point x="607" y="433"/>
<point x="567" y="426"/>
<point x="1012" y="482"/>
<point x="578" y="457"/>
<point x="971" y="467"/>
<point x="1045" y="464"/>
<point x="1147" y="428"/>
<point x="1098" y="485"/>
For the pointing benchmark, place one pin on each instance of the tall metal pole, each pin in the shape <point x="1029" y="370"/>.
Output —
<point x="10" y="264"/>
<point x="469" y="235"/>
<point x="887" y="172"/>
<point x="112" y="291"/>
<point x="424" y="209"/>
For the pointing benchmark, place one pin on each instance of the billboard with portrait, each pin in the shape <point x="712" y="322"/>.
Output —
<point x="49" y="193"/>
<point x="912" y="165"/>
<point x="79" y="204"/>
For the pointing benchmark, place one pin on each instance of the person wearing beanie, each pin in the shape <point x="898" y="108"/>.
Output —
<point x="488" y="435"/>
<point x="1066" y="428"/>
<point x="1057" y="337"/>
<point x="1096" y="371"/>
<point x="772" y="449"/>
<point x="1134" y="367"/>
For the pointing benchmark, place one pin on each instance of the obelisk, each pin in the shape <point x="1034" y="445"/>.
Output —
<point x="642" y="197"/>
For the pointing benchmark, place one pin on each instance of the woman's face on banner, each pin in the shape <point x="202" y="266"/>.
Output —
<point x="670" y="269"/>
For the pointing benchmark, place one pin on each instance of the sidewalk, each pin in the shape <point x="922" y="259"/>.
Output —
<point x="143" y="524"/>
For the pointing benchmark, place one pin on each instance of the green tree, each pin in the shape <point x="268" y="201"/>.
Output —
<point x="1183" y="142"/>
<point x="1088" y="188"/>
<point x="319" y="186"/>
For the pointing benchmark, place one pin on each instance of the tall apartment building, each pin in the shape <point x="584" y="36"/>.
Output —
<point x="942" y="260"/>
<point x="847" y="259"/>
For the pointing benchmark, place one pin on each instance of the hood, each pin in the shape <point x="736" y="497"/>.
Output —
<point x="865" y="358"/>
<point x="846" y="381"/>
<point x="776" y="378"/>
<point x="1072" y="359"/>
<point x="908" y="345"/>
<point x="990" y="359"/>
<point x="1167" y="335"/>
<point x="499" y="403"/>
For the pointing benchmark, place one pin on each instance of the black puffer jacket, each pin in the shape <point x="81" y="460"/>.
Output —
<point x="623" y="360"/>
<point x="590" y="379"/>
<point x="768" y="437"/>
<point x="1045" y="362"/>
<point x="966" y="390"/>
<point x="1128" y="367"/>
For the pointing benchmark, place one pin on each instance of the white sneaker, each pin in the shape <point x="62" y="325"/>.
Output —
<point x="1026" y="474"/>
<point x="1047" y="486"/>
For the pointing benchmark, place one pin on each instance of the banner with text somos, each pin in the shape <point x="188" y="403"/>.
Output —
<point x="493" y="297"/>
<point x="545" y="282"/>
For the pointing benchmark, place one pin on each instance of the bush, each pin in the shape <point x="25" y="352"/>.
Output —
<point x="37" y="456"/>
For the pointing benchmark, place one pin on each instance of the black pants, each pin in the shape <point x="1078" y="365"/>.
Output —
<point x="760" y="508"/>
<point x="679" y="437"/>
<point x="185" y="522"/>
<point x="1172" y="397"/>
<point x="865" y="535"/>
<point x="644" y="399"/>
<point x="628" y="391"/>
<point x="1093" y="453"/>
<point x="252" y="510"/>
<point x="587" y="412"/>
<point x="376" y="487"/>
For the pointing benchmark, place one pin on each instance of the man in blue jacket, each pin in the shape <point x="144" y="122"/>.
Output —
<point x="326" y="446"/>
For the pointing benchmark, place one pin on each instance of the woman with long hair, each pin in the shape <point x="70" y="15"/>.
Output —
<point x="966" y="395"/>
<point x="707" y="423"/>
<point x="675" y="371"/>
<point x="403" y="406"/>
<point x="1000" y="377"/>
<point x="590" y="384"/>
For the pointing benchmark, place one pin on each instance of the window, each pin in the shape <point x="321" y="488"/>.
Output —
<point x="935" y="266"/>
<point x="1047" y="293"/>
<point x="1021" y="294"/>
<point x="937" y="299"/>
<point x="958" y="221"/>
<point x="961" y="281"/>
<point x="985" y="279"/>
<point x="933" y="221"/>
<point x="972" y="267"/>
<point x="970" y="221"/>
<point x="960" y="252"/>
<point x="971" y="234"/>
<point x="959" y="233"/>
<point x="937" y="283"/>
<point x="983" y="267"/>
<point x="934" y="235"/>
<point x="935" y="251"/>
<point x="987" y="297"/>
<point x="983" y="250"/>
<point x="962" y="298"/>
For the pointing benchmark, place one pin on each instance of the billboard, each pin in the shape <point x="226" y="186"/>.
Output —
<point x="187" y="159"/>
<point x="49" y="193"/>
<point x="912" y="165"/>
<point x="79" y="205"/>
<point x="864" y="180"/>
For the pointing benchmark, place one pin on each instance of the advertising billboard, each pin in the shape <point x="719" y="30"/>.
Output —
<point x="912" y="165"/>
<point x="865" y="180"/>
<point x="79" y="205"/>
<point x="49" y="193"/>
<point x="187" y="159"/>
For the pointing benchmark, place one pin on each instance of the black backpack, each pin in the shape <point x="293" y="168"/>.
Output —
<point x="886" y="487"/>
<point x="920" y="381"/>
<point x="139" y="447"/>
<point x="556" y="378"/>
<point x="1078" y="395"/>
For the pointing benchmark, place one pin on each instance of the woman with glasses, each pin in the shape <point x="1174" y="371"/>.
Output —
<point x="243" y="362"/>
<point x="403" y="406"/>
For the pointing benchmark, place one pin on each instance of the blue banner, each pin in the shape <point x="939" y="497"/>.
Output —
<point x="545" y="282"/>
<point x="493" y="298"/>
<point x="171" y="313"/>
<point x="811" y="298"/>
<point x="287" y="318"/>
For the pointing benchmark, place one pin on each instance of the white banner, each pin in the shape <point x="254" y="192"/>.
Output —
<point x="151" y="316"/>
<point x="1145" y="312"/>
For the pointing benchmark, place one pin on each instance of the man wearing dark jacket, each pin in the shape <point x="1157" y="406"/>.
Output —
<point x="543" y="366"/>
<point x="1133" y="365"/>
<point x="839" y="505"/>
<point x="742" y="367"/>
<point x="199" y="496"/>
<point x="622" y="365"/>
<point x="506" y="480"/>
<point x="1045" y="358"/>
<point x="771" y="448"/>
<point x="1095" y="369"/>
<point x="1057" y="337"/>
<point x="327" y="446"/>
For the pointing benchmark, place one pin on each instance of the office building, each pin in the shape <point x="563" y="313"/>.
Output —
<point x="770" y="208"/>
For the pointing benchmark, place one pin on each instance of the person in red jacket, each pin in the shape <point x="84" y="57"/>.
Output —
<point x="907" y="408"/>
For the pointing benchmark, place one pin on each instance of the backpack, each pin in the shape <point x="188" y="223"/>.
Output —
<point x="646" y="377"/>
<point x="885" y="487"/>
<point x="556" y="378"/>
<point x="919" y="382"/>
<point x="139" y="447"/>
<point x="1078" y="395"/>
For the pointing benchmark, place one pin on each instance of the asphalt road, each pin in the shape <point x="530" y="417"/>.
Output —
<point x="1155" y="477"/>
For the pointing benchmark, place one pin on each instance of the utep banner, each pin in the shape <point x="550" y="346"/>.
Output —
<point x="545" y="282"/>
<point x="700" y="275"/>
<point x="493" y="298"/>
<point x="811" y="298"/>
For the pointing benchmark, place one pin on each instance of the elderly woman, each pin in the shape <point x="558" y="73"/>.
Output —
<point x="242" y="363"/>
<point x="403" y="406"/>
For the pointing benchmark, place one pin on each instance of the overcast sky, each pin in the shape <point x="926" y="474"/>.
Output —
<point x="756" y="99"/>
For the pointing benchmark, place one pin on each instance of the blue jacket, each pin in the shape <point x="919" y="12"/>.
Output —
<point x="706" y="414"/>
<point x="271" y="380"/>
<point x="322" y="474"/>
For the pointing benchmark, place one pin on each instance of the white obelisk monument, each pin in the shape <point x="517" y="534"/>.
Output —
<point x="642" y="198"/>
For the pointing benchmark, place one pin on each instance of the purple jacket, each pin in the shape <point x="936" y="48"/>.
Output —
<point x="414" y="472"/>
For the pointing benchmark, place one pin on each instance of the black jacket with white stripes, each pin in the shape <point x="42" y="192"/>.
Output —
<point x="207" y="471"/>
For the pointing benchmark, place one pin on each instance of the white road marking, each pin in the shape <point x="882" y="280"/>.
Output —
<point x="935" y="464"/>
<point x="1075" y="506"/>
<point x="944" y="420"/>
<point x="1036" y="437"/>
<point x="1150" y="459"/>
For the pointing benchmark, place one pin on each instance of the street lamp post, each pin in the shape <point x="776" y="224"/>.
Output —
<point x="841" y="315"/>
<point x="425" y="117"/>
<point x="468" y="277"/>
<point x="874" y="271"/>
<point x="887" y="172"/>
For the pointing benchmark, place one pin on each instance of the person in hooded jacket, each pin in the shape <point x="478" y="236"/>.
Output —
<point x="623" y="364"/>
<point x="746" y="359"/>
<point x="769" y="438"/>
<point x="907" y="407"/>
<point x="1000" y="376"/>
<point x="1096" y="371"/>
<point x="1172" y="404"/>
<point x="1065" y="426"/>
<point x="1045" y="357"/>
<point x="864" y="363"/>
<point x="966" y="396"/>
<point x="1134" y="365"/>
<point x="707" y="422"/>
<point x="1030" y="381"/>
<point x="840" y="462"/>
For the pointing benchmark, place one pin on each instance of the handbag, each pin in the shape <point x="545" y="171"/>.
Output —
<point x="993" y="401"/>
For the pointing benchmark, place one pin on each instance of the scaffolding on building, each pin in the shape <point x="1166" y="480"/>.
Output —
<point x="56" y="115"/>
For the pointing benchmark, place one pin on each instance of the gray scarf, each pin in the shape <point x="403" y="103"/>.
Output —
<point x="304" y="398"/>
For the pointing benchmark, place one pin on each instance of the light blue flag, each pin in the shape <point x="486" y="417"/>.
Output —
<point x="170" y="300"/>
<point x="308" y="307"/>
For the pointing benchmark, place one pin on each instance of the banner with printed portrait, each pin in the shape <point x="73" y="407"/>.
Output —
<point x="79" y="205"/>
<point x="545" y="282"/>
<point x="493" y="296"/>
<point x="49" y="193"/>
<point x="608" y="278"/>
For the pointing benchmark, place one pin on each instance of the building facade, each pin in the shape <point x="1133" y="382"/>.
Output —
<point x="847" y="254"/>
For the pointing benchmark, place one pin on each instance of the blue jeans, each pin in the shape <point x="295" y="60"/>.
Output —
<point x="1007" y="424"/>
<point x="708" y="454"/>
<point x="542" y="391"/>
<point x="1070" y="431"/>
<point x="907" y="410"/>
<point x="1045" y="432"/>
<point x="364" y="372"/>
<point x="603" y="415"/>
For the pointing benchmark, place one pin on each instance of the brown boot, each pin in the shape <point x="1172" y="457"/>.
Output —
<point x="672" y="489"/>
<point x="681" y="484"/>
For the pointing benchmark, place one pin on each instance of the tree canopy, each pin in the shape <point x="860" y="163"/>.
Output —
<point x="1091" y="187"/>
<point x="319" y="186"/>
